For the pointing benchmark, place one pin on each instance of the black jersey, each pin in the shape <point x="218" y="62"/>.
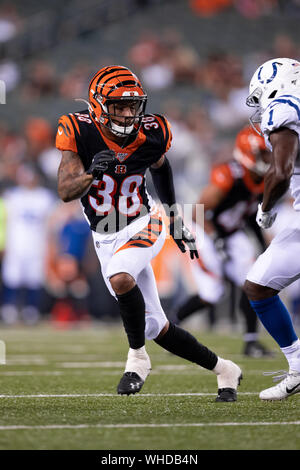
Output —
<point x="241" y="198"/>
<point x="120" y="196"/>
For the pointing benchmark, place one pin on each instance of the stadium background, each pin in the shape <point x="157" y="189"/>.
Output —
<point x="195" y="59"/>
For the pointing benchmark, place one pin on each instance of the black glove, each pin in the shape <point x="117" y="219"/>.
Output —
<point x="100" y="163"/>
<point x="182" y="236"/>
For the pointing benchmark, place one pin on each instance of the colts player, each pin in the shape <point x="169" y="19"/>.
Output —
<point x="275" y="93"/>
<point x="106" y="151"/>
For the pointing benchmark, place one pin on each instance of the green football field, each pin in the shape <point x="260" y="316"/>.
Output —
<point x="58" y="391"/>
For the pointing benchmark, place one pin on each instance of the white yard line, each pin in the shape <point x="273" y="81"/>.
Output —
<point x="140" y="395"/>
<point x="71" y="365"/>
<point x="19" y="373"/>
<point x="153" y="425"/>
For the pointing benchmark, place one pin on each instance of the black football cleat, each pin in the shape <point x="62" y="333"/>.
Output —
<point x="256" y="349"/>
<point x="130" y="384"/>
<point x="226" y="395"/>
<point x="228" y="381"/>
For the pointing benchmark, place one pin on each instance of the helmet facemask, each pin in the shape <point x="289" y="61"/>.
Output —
<point x="113" y="118"/>
<point x="253" y="101"/>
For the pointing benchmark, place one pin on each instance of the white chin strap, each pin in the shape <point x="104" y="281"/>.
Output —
<point x="121" y="130"/>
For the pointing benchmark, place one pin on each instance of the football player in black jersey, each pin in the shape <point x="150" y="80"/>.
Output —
<point x="106" y="150"/>
<point x="230" y="202"/>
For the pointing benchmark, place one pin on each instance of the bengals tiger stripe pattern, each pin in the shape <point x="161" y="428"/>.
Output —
<point x="146" y="237"/>
<point x="66" y="133"/>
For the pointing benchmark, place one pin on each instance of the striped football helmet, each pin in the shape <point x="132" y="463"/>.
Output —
<point x="111" y="89"/>
<point x="250" y="148"/>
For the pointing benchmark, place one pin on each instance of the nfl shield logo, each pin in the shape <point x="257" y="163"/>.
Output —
<point x="121" y="156"/>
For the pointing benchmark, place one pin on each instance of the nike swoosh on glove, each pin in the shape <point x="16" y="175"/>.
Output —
<point x="265" y="219"/>
<point x="182" y="236"/>
<point x="100" y="163"/>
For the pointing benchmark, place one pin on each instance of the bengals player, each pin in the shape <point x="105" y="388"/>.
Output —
<point x="230" y="203"/>
<point x="106" y="150"/>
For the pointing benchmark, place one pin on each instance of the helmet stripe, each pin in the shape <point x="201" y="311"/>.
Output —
<point x="117" y="78"/>
<point x="102" y="73"/>
<point x="108" y="72"/>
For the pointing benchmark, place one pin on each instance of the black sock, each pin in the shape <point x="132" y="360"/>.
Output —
<point x="132" y="309"/>
<point x="249" y="314"/>
<point x="193" y="304"/>
<point x="183" y="344"/>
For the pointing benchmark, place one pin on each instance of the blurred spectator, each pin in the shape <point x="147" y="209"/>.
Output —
<point x="41" y="81"/>
<point x="163" y="61"/>
<point x="209" y="8"/>
<point x="158" y="75"/>
<point x="284" y="46"/>
<point x="76" y="81"/>
<point x="13" y="147"/>
<point x="2" y="235"/>
<point x="255" y="8"/>
<point x="189" y="152"/>
<point x="291" y="7"/>
<point x="48" y="162"/>
<point x="28" y="207"/>
<point x="150" y="61"/>
<point x="10" y="22"/>
<point x="200" y="124"/>
<point x="9" y="74"/>
<point x="182" y="58"/>
<point x="222" y="77"/>
<point x="67" y="284"/>
<point x="39" y="136"/>
<point x="145" y="50"/>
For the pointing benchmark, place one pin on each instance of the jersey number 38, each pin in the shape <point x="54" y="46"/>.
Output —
<point x="129" y="198"/>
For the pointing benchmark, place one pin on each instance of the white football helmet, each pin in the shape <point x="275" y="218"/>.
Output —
<point x="271" y="80"/>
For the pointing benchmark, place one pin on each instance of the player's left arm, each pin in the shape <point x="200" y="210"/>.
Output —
<point x="162" y="177"/>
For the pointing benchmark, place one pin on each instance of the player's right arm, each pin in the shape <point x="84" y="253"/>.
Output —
<point x="73" y="181"/>
<point x="285" y="144"/>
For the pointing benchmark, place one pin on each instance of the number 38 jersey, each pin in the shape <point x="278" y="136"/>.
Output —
<point x="121" y="196"/>
<point x="284" y="111"/>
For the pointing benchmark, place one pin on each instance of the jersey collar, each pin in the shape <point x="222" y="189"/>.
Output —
<point x="122" y="153"/>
